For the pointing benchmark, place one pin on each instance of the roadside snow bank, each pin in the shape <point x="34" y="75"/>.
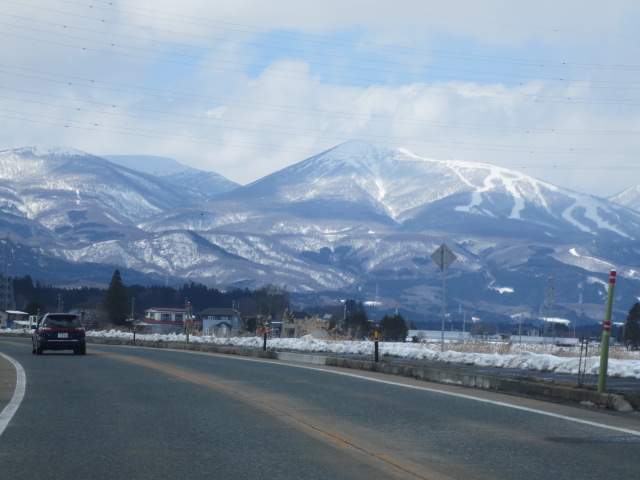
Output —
<point x="522" y="358"/>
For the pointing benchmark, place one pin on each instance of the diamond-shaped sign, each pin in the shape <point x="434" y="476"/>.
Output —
<point x="443" y="257"/>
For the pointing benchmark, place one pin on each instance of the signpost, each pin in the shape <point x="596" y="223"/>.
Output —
<point x="443" y="257"/>
<point x="606" y="335"/>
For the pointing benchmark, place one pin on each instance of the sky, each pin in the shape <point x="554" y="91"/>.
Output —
<point x="246" y="88"/>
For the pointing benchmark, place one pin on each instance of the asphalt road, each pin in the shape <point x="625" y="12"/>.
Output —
<point x="137" y="413"/>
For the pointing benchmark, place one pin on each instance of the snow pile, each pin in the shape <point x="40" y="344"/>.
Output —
<point x="523" y="356"/>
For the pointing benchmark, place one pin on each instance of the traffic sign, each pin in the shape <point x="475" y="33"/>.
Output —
<point x="443" y="257"/>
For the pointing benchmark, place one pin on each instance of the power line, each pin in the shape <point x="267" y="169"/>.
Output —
<point x="190" y="20"/>
<point x="137" y="132"/>
<point x="382" y="119"/>
<point x="178" y="18"/>
<point x="87" y="86"/>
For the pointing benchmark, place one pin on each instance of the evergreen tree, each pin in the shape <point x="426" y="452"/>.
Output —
<point x="632" y="328"/>
<point x="393" y="329"/>
<point x="116" y="302"/>
<point x="356" y="322"/>
<point x="357" y="325"/>
<point x="34" y="307"/>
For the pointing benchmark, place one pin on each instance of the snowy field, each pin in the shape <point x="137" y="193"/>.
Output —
<point x="546" y="358"/>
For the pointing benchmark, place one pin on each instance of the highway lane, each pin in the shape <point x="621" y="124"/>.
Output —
<point x="124" y="412"/>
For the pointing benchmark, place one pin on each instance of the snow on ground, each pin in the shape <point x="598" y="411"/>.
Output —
<point x="545" y="358"/>
<point x="523" y="356"/>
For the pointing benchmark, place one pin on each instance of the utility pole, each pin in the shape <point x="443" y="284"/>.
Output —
<point x="6" y="281"/>
<point x="606" y="336"/>
<point x="344" y="315"/>
<point x="550" y="301"/>
<point x="464" y="322"/>
<point x="188" y="320"/>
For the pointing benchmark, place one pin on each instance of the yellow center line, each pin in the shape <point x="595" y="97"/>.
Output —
<point x="209" y="381"/>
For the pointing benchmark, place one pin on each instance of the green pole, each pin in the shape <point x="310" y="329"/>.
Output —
<point x="606" y="336"/>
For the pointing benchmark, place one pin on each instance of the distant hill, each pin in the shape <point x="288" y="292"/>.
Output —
<point x="201" y="184"/>
<point x="357" y="220"/>
<point x="630" y="198"/>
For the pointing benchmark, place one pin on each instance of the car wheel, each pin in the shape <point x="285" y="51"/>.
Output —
<point x="39" y="350"/>
<point x="33" y="348"/>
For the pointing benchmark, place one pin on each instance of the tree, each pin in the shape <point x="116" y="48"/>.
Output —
<point x="116" y="302"/>
<point x="356" y="322"/>
<point x="632" y="328"/>
<point x="357" y="325"/>
<point x="34" y="307"/>
<point x="393" y="329"/>
<point x="271" y="300"/>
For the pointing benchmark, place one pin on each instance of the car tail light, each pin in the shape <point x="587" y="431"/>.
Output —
<point x="45" y="329"/>
<point x="80" y="329"/>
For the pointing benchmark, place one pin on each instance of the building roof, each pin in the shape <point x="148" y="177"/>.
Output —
<point x="153" y="321"/>
<point x="162" y="309"/>
<point x="219" y="311"/>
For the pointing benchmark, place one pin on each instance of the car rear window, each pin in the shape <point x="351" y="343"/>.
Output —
<point x="62" y="322"/>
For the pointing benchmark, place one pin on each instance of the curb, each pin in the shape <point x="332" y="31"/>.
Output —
<point x="510" y="385"/>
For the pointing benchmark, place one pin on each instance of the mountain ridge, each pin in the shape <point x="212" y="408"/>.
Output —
<point x="355" y="219"/>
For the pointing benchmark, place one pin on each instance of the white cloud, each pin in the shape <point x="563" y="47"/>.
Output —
<point x="245" y="88"/>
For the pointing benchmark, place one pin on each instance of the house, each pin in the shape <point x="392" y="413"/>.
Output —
<point x="165" y="320"/>
<point x="14" y="319"/>
<point x="166" y="314"/>
<point x="221" y="321"/>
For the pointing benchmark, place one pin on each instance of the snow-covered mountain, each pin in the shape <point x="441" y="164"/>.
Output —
<point x="200" y="184"/>
<point x="630" y="198"/>
<point x="413" y="193"/>
<point x="358" y="219"/>
<point x="79" y="197"/>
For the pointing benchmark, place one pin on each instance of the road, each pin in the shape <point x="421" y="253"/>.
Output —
<point x="128" y="412"/>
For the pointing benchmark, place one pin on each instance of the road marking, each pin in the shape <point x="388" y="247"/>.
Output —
<point x="444" y="392"/>
<point x="21" y="381"/>
<point x="484" y="400"/>
<point x="211" y="381"/>
<point x="428" y="389"/>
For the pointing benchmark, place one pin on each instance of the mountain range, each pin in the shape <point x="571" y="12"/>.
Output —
<point x="358" y="220"/>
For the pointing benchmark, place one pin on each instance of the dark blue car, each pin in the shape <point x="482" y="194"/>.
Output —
<point x="59" y="331"/>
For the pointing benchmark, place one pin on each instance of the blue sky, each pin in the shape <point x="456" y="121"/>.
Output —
<point x="245" y="88"/>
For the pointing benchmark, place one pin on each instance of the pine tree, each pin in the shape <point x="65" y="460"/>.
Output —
<point x="115" y="301"/>
<point x="357" y="324"/>
<point x="632" y="328"/>
<point x="393" y="329"/>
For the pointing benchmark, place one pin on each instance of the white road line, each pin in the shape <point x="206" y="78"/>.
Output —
<point x="428" y="389"/>
<point x="21" y="381"/>
<point x="443" y="392"/>
<point x="493" y="402"/>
